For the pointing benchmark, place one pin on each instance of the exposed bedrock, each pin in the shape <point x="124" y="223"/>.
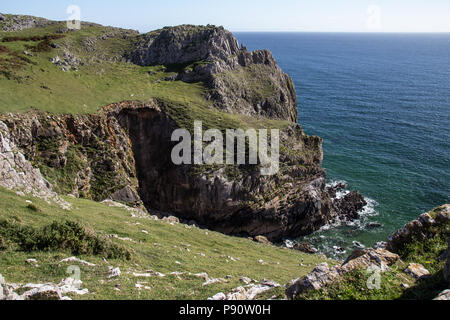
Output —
<point x="124" y="153"/>
<point x="239" y="81"/>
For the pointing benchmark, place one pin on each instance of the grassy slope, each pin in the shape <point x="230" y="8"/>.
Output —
<point x="42" y="85"/>
<point x="158" y="251"/>
<point x="426" y="252"/>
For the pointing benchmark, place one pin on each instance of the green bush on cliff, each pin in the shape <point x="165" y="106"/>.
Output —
<point x="68" y="235"/>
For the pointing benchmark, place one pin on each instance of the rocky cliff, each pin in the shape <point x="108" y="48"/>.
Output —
<point x="123" y="151"/>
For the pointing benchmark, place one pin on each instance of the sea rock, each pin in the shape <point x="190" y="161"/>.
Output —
<point x="304" y="247"/>
<point x="323" y="274"/>
<point x="417" y="271"/>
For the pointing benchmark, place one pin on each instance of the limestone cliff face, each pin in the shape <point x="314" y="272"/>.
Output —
<point x="240" y="81"/>
<point x="123" y="153"/>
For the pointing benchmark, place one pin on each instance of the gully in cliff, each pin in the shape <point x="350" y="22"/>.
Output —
<point x="213" y="153"/>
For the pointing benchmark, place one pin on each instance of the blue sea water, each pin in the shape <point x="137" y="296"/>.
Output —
<point x="382" y="104"/>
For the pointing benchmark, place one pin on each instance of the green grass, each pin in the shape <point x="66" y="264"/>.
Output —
<point x="197" y="250"/>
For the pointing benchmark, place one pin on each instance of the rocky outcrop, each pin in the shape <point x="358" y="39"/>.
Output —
<point x="46" y="291"/>
<point x="304" y="247"/>
<point x="124" y="153"/>
<point x="86" y="155"/>
<point x="249" y="292"/>
<point x="17" y="173"/>
<point x="444" y="295"/>
<point x="424" y="227"/>
<point x="323" y="275"/>
<point x="239" y="81"/>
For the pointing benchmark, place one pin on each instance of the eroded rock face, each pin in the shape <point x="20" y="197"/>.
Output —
<point x="21" y="22"/>
<point x="447" y="265"/>
<point x="184" y="44"/>
<point x="322" y="275"/>
<point x="239" y="81"/>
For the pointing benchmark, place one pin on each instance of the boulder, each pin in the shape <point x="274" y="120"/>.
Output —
<point x="3" y="288"/>
<point x="44" y="292"/>
<point x="304" y="247"/>
<point x="417" y="271"/>
<point x="444" y="295"/>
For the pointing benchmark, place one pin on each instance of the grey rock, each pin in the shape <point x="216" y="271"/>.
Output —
<point x="262" y="239"/>
<point x="305" y="247"/>
<point x="419" y="229"/>
<point x="417" y="271"/>
<point x="45" y="292"/>
<point x="444" y="295"/>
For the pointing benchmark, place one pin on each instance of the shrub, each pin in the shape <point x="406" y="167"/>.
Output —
<point x="68" y="235"/>
<point x="32" y="207"/>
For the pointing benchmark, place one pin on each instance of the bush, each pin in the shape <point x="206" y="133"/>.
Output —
<point x="32" y="207"/>
<point x="69" y="235"/>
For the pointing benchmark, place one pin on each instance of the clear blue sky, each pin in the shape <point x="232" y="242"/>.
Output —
<point x="252" y="15"/>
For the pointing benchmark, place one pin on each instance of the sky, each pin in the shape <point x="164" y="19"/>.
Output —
<point x="251" y="15"/>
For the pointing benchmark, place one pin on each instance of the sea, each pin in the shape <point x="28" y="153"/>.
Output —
<point x="381" y="102"/>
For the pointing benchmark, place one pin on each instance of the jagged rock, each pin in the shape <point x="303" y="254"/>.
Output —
<point x="77" y="260"/>
<point x="3" y="289"/>
<point x="127" y="194"/>
<point x="417" y="271"/>
<point x="2" y="17"/>
<point x="114" y="272"/>
<point x="444" y="295"/>
<point x="263" y="240"/>
<point x="304" y="247"/>
<point x="420" y="229"/>
<point x="17" y="173"/>
<point x="21" y="22"/>
<point x="248" y="292"/>
<point x="43" y="292"/>
<point x="323" y="274"/>
<point x="220" y="55"/>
